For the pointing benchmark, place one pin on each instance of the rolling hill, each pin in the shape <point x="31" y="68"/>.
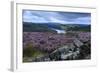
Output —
<point x="47" y="27"/>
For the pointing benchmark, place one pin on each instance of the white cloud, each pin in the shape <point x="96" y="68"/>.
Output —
<point x="83" y="20"/>
<point x="58" y="17"/>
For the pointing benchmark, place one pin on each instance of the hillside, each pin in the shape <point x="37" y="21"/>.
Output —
<point x="76" y="27"/>
<point x="34" y="27"/>
<point x="47" y="27"/>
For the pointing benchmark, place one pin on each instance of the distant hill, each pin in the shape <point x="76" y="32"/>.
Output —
<point x="34" y="27"/>
<point x="76" y="27"/>
<point x="47" y="27"/>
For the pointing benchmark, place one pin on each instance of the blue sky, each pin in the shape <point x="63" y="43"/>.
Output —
<point x="56" y="17"/>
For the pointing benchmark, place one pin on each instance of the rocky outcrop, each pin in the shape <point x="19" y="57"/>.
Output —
<point x="73" y="51"/>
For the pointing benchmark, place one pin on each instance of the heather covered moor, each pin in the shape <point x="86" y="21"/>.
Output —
<point x="56" y="36"/>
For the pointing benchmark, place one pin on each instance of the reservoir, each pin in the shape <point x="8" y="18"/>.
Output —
<point x="59" y="31"/>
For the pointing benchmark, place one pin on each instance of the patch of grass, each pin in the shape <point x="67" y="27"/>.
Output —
<point x="30" y="52"/>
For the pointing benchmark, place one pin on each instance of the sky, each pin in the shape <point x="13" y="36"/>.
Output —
<point x="56" y="17"/>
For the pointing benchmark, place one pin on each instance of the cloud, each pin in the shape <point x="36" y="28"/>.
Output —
<point x="58" y="17"/>
<point x="83" y="20"/>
